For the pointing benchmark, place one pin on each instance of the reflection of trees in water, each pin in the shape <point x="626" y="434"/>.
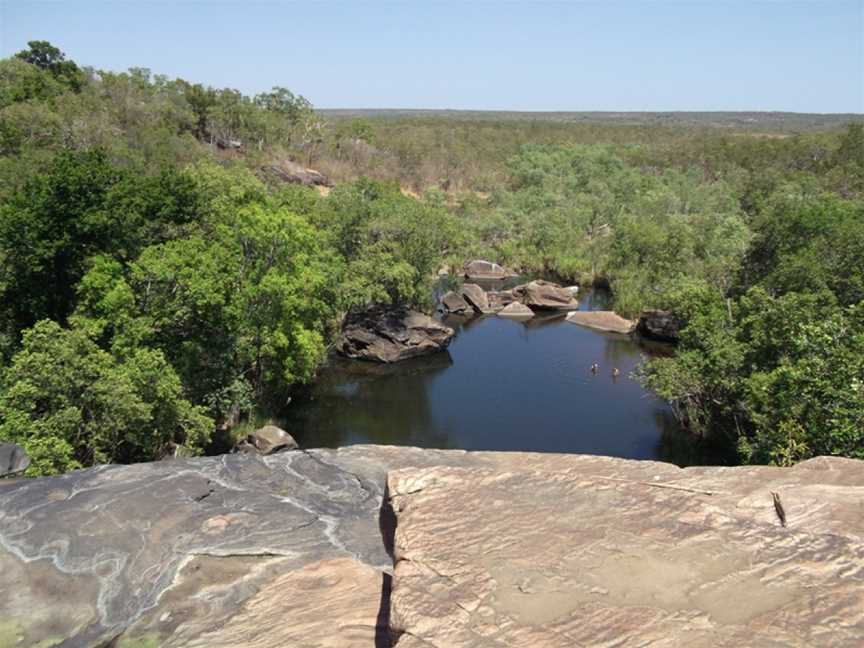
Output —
<point x="683" y="448"/>
<point x="364" y="402"/>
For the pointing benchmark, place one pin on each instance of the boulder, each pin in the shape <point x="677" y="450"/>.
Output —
<point x="498" y="299"/>
<point x="515" y="310"/>
<point x="270" y="439"/>
<point x="602" y="321"/>
<point x="545" y="295"/>
<point x="293" y="173"/>
<point x="390" y="334"/>
<point x="475" y="296"/>
<point x="659" y="325"/>
<point x="480" y="269"/>
<point x="453" y="303"/>
<point x="13" y="459"/>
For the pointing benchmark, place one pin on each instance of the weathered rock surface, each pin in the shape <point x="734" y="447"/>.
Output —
<point x="659" y="325"/>
<point x="270" y="439"/>
<point x="13" y="459"/>
<point x="493" y="549"/>
<point x="516" y="310"/>
<point x="602" y="321"/>
<point x="391" y="334"/>
<point x="545" y="295"/>
<point x="238" y="550"/>
<point x="453" y="303"/>
<point x="591" y="551"/>
<point x="480" y="269"/>
<point x="293" y="173"/>
<point x="475" y="296"/>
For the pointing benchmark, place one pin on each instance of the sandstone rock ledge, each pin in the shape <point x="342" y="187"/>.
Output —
<point x="491" y="549"/>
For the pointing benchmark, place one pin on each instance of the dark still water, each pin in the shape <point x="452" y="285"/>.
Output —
<point x="503" y="385"/>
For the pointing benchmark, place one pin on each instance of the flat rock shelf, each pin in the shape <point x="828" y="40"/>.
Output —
<point x="490" y="549"/>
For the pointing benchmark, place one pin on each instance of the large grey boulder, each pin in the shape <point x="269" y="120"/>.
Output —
<point x="391" y="334"/>
<point x="293" y="173"/>
<point x="270" y="439"/>
<point x="13" y="459"/>
<point x="545" y="295"/>
<point x="454" y="304"/>
<point x="475" y="296"/>
<point x="485" y="270"/>
<point x="659" y="325"/>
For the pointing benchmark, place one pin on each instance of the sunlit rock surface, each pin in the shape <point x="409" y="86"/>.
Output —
<point x="493" y="549"/>
<point x="584" y="551"/>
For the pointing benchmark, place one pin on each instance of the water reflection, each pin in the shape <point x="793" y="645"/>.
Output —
<point x="503" y="385"/>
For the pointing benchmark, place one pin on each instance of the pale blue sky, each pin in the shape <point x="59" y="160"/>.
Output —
<point x="614" y="55"/>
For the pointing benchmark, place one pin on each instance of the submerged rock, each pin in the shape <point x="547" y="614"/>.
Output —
<point x="659" y="325"/>
<point x="480" y="269"/>
<point x="390" y="334"/>
<point x="545" y="295"/>
<point x="602" y="321"/>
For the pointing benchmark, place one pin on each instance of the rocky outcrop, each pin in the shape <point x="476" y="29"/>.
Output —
<point x="498" y="299"/>
<point x="13" y="459"/>
<point x="485" y="270"/>
<point x="391" y="334"/>
<point x="516" y="310"/>
<point x="545" y="295"/>
<point x="659" y="325"/>
<point x="293" y="173"/>
<point x="475" y="296"/>
<point x="608" y="321"/>
<point x="491" y="549"/>
<point x="454" y="304"/>
<point x="587" y="551"/>
<point x="269" y="440"/>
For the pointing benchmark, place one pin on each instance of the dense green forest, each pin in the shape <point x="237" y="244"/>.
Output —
<point x="158" y="283"/>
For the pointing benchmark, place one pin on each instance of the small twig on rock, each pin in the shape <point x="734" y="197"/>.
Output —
<point x="778" y="507"/>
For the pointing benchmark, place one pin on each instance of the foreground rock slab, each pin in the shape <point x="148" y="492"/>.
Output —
<point x="382" y="334"/>
<point x="608" y="321"/>
<point x="238" y="550"/>
<point x="591" y="551"/>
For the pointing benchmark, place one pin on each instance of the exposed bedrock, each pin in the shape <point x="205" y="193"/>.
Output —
<point x="391" y="334"/>
<point x="491" y="549"/>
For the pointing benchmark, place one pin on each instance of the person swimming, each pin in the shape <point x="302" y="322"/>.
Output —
<point x="615" y="372"/>
<point x="595" y="368"/>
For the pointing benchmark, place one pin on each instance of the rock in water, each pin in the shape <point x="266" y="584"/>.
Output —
<point x="390" y="334"/>
<point x="659" y="325"/>
<point x="602" y="321"/>
<point x="498" y="299"/>
<point x="13" y="459"/>
<point x="454" y="304"/>
<point x="476" y="297"/>
<point x="515" y="310"/>
<point x="545" y="295"/>
<point x="480" y="269"/>
<point x="270" y="439"/>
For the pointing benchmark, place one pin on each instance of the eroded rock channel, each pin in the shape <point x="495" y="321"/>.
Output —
<point x="490" y="549"/>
